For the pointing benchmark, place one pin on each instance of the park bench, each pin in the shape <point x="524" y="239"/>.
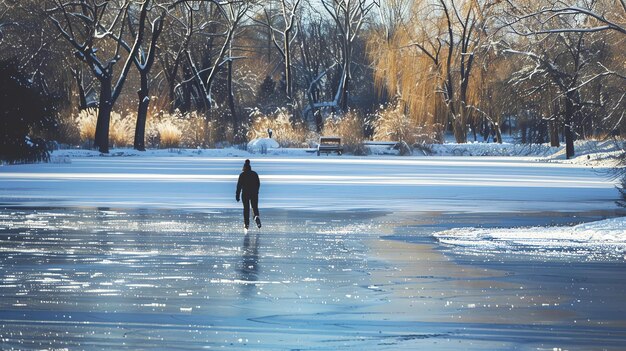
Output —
<point x="329" y="144"/>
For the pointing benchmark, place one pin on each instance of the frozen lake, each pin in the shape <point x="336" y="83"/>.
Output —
<point x="148" y="253"/>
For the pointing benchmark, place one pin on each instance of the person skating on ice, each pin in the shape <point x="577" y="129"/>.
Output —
<point x="248" y="190"/>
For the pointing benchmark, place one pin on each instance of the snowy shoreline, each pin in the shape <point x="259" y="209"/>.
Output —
<point x="593" y="240"/>
<point x="588" y="153"/>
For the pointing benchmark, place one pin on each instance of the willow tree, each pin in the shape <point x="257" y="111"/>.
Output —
<point x="432" y="50"/>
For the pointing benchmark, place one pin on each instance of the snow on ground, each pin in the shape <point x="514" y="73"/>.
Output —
<point x="588" y="152"/>
<point x="262" y="145"/>
<point x="592" y="240"/>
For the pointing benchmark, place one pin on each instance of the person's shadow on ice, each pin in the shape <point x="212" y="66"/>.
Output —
<point x="250" y="264"/>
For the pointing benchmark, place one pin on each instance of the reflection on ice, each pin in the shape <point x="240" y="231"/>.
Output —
<point x="126" y="280"/>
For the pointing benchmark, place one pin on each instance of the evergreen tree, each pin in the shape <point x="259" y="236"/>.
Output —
<point x="23" y="110"/>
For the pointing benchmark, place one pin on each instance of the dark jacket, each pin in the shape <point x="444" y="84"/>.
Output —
<point x="248" y="184"/>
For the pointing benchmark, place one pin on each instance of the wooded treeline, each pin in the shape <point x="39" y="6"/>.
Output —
<point x="549" y="70"/>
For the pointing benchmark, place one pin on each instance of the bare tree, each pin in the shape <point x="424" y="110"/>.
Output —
<point x="143" y="60"/>
<point x="282" y="25"/>
<point x="349" y="17"/>
<point x="84" y="25"/>
<point x="597" y="16"/>
<point x="176" y="38"/>
<point x="231" y="15"/>
<point x="564" y="50"/>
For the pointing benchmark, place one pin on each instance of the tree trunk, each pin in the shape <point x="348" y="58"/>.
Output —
<point x="498" y="132"/>
<point x="568" y="130"/>
<point x="287" y="48"/>
<point x="142" y="114"/>
<point x="82" y="98"/>
<point x="231" y="103"/>
<point x="101" y="140"/>
<point x="554" y="133"/>
<point x="460" y="129"/>
<point x="171" y="91"/>
<point x="344" y="87"/>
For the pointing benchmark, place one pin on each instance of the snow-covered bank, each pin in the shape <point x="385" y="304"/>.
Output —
<point x="588" y="152"/>
<point x="594" y="240"/>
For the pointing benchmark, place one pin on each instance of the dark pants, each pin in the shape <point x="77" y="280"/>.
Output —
<point x="247" y="201"/>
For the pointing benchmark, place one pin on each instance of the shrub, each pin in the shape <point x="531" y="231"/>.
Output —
<point x="170" y="134"/>
<point x="350" y="128"/>
<point x="23" y="110"/>
<point x="392" y="124"/>
<point x="196" y="130"/>
<point x="86" y="121"/>
<point x="191" y="129"/>
<point x="283" y="130"/>
<point x="68" y="129"/>
<point x="121" y="130"/>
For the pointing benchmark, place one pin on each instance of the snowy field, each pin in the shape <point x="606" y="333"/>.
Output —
<point x="379" y="253"/>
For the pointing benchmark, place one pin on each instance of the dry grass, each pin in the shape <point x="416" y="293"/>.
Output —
<point x="196" y="130"/>
<point x="283" y="131"/>
<point x="189" y="130"/>
<point x="121" y="130"/>
<point x="350" y="128"/>
<point x="170" y="135"/>
<point x="86" y="121"/>
<point x="392" y="124"/>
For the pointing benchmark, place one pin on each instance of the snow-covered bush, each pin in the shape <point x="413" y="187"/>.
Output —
<point x="262" y="145"/>
<point x="283" y="130"/>
<point x="392" y="124"/>
<point x="349" y="127"/>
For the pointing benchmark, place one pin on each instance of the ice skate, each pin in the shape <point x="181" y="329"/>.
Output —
<point x="258" y="221"/>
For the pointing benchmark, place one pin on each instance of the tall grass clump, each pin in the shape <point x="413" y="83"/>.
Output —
<point x="170" y="130"/>
<point x="86" y="121"/>
<point x="121" y="130"/>
<point x="197" y="130"/>
<point x="283" y="130"/>
<point x="170" y="135"/>
<point x="393" y="124"/>
<point x="349" y="127"/>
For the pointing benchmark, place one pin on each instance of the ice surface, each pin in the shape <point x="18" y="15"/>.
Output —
<point x="483" y="184"/>
<point x="148" y="252"/>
